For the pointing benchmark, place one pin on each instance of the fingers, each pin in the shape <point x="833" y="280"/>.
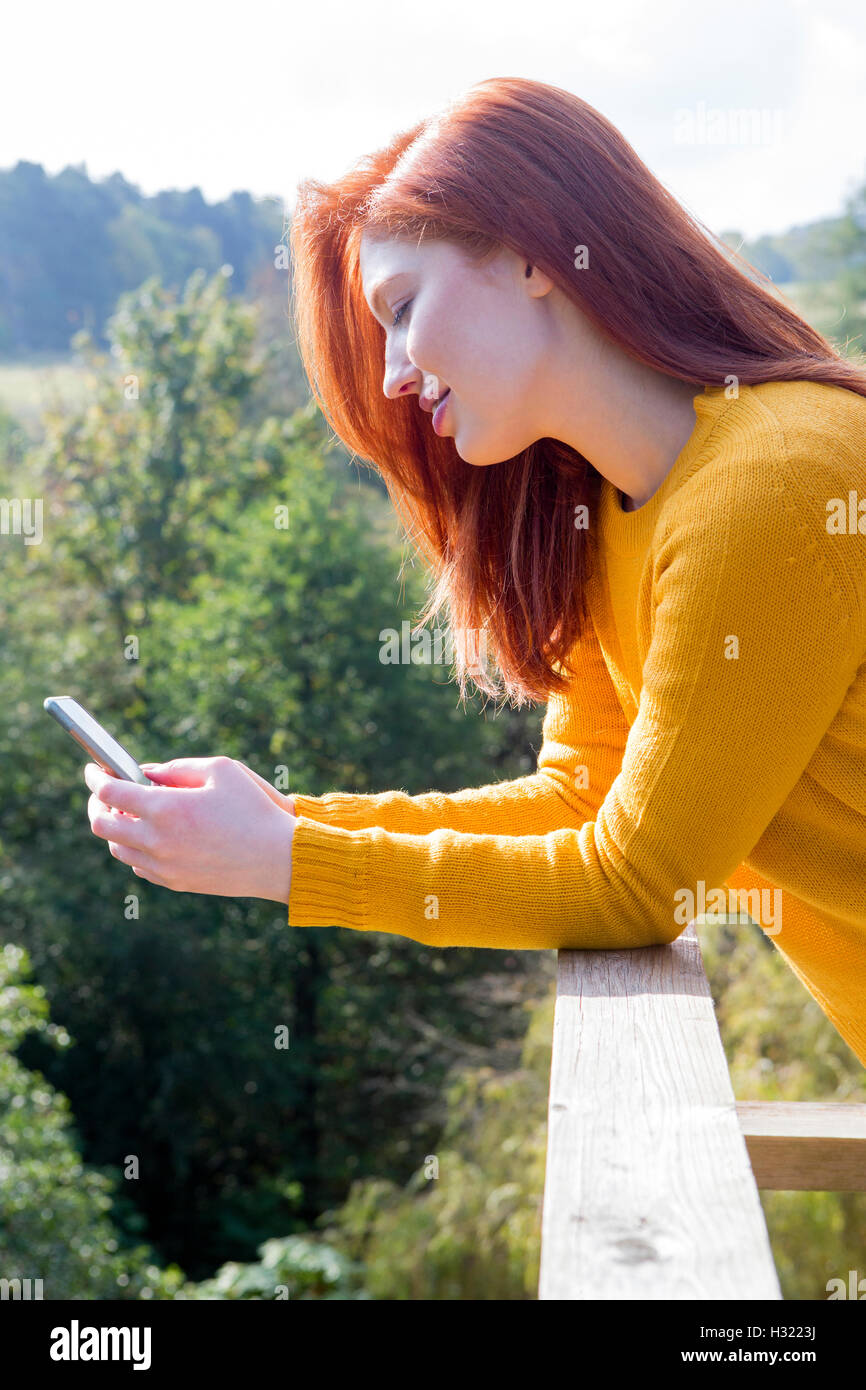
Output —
<point x="149" y="877"/>
<point x="121" y="830"/>
<point x="115" y="791"/>
<point x="182" y="772"/>
<point x="140" y="864"/>
<point x="158" y="773"/>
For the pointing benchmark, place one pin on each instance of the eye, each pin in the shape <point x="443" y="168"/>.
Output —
<point x="400" y="312"/>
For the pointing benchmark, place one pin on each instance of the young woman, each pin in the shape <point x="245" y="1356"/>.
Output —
<point x="639" y="478"/>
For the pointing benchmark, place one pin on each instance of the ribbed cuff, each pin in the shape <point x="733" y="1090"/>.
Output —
<point x="330" y="876"/>
<point x="334" y="808"/>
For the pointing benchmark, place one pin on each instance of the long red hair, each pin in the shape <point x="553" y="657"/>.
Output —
<point x="532" y="167"/>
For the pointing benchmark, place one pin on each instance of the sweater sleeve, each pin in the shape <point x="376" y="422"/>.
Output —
<point x="583" y="740"/>
<point x="756" y="634"/>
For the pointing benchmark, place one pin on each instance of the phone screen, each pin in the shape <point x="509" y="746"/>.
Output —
<point x="96" y="740"/>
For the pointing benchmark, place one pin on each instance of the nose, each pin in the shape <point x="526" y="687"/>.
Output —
<point x="401" y="379"/>
<point x="403" y="384"/>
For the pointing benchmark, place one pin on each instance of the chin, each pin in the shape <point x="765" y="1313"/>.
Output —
<point x="485" y="447"/>
<point x="475" y="457"/>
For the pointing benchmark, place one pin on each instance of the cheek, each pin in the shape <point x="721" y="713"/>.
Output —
<point x="472" y="364"/>
<point x="497" y="345"/>
<point x="494" y="386"/>
<point x="473" y="342"/>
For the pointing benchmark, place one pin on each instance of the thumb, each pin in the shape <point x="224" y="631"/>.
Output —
<point x="179" y="772"/>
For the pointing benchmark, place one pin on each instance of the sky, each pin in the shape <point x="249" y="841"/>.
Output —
<point x="260" y="95"/>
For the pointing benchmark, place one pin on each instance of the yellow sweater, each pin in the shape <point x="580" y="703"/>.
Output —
<point x="713" y="741"/>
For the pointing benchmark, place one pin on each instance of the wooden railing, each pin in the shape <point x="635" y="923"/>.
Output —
<point x="653" y="1167"/>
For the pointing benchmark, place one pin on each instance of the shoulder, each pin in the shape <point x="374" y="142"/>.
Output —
<point x="775" y="437"/>
<point x="774" y="425"/>
<point x="812" y="423"/>
<point x="779" y="467"/>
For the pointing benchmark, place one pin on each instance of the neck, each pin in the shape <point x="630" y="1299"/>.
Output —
<point x="628" y="420"/>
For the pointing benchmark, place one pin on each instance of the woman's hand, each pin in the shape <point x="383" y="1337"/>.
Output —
<point x="206" y="828"/>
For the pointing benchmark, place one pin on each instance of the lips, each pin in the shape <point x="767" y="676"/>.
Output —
<point x="439" y="412"/>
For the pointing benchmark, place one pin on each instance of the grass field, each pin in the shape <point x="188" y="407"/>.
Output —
<point x="28" y="388"/>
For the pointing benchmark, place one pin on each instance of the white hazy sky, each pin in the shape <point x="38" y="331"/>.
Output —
<point x="258" y="95"/>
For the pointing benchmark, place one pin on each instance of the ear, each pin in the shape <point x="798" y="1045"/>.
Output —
<point x="537" y="283"/>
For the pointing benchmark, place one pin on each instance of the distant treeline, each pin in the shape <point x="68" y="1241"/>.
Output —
<point x="69" y="246"/>
<point x="813" y="252"/>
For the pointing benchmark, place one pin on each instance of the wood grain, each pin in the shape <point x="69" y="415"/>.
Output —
<point x="649" y="1190"/>
<point x="806" y="1146"/>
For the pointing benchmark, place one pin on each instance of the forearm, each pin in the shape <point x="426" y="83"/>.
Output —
<point x="530" y="805"/>
<point x="554" y="891"/>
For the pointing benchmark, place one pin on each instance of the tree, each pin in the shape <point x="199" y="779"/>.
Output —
<point x="55" y="1213"/>
<point x="168" y="600"/>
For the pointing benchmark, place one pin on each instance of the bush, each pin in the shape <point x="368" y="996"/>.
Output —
<point x="55" y="1222"/>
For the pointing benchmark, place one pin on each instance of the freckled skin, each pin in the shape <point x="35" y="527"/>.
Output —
<point x="523" y="363"/>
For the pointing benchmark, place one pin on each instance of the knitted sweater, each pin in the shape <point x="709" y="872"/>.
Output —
<point x="711" y="745"/>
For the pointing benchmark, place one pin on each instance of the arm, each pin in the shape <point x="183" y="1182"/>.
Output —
<point x="583" y="740"/>
<point x="717" y="746"/>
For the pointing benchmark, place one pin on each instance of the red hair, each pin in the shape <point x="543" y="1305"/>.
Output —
<point x="532" y="167"/>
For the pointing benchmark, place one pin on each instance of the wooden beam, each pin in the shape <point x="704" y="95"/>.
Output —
<point x="649" y="1191"/>
<point x="805" y="1146"/>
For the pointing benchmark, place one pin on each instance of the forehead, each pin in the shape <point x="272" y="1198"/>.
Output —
<point x="379" y="257"/>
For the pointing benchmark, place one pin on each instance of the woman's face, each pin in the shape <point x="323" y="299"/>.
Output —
<point x="485" y="334"/>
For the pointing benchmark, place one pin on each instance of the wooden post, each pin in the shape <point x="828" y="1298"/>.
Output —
<point x="649" y="1191"/>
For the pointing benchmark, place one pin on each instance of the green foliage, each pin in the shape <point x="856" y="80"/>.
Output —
<point x="292" y="1267"/>
<point x="467" y="1224"/>
<point x="849" y="242"/>
<point x="816" y="251"/>
<point x="167" y="599"/>
<point x="55" y="1222"/>
<point x="13" y="444"/>
<point x="112" y="238"/>
<point x="780" y="1045"/>
<point x="821" y="269"/>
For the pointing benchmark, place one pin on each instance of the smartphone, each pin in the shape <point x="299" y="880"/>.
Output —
<point x="95" y="740"/>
